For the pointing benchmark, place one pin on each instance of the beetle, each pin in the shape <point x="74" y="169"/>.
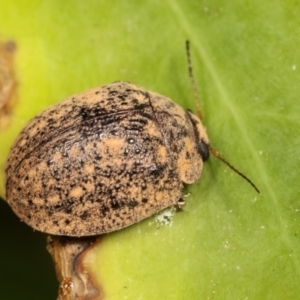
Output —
<point x="104" y="159"/>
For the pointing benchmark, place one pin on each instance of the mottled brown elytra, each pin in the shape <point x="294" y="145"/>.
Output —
<point x="104" y="159"/>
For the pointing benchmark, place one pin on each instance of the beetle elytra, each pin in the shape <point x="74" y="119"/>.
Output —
<point x="103" y="160"/>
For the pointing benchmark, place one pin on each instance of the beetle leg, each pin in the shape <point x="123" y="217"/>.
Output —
<point x="179" y="205"/>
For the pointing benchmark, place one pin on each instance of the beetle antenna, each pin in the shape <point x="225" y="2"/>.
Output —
<point x="192" y="79"/>
<point x="216" y="154"/>
<point x="213" y="151"/>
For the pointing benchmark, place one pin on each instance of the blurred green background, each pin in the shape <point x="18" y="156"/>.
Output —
<point x="229" y="243"/>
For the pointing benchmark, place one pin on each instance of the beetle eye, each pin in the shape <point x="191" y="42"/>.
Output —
<point x="203" y="149"/>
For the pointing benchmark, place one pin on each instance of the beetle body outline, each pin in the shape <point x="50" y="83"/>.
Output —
<point x="104" y="159"/>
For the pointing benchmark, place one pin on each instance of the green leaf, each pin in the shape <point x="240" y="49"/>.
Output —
<point x="229" y="242"/>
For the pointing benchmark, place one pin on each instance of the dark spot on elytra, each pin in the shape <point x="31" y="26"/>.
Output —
<point x="113" y="93"/>
<point x="187" y="155"/>
<point x="72" y="184"/>
<point x="116" y="205"/>
<point x="104" y="210"/>
<point x="157" y="171"/>
<point x="84" y="215"/>
<point x="132" y="203"/>
<point x="145" y="200"/>
<point x="68" y="210"/>
<point x="114" y="132"/>
<point x="131" y="141"/>
<point x="122" y="97"/>
<point x="141" y="106"/>
<point x="87" y="113"/>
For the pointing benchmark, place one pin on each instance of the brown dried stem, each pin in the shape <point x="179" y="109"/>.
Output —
<point x="68" y="255"/>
